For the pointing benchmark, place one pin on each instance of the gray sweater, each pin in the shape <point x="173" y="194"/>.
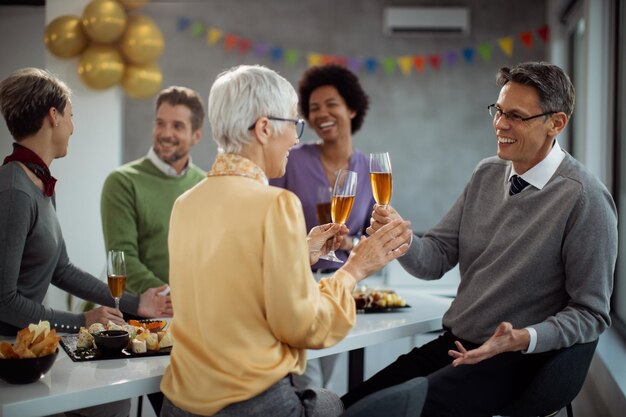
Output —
<point x="541" y="258"/>
<point x="33" y="255"/>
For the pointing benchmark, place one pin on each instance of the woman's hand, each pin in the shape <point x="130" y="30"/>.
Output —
<point x="388" y="243"/>
<point x="152" y="304"/>
<point x="103" y="315"/>
<point x="324" y="238"/>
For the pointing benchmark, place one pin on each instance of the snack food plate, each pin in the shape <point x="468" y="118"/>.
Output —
<point x="393" y="309"/>
<point x="152" y="325"/>
<point x="92" y="354"/>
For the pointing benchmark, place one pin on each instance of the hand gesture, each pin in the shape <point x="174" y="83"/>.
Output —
<point x="376" y="251"/>
<point x="505" y="339"/>
<point x="381" y="215"/>
<point x="103" y="315"/>
<point x="324" y="238"/>
<point x="152" y="304"/>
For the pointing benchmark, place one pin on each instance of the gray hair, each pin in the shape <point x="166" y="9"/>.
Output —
<point x="239" y="96"/>
<point x="556" y="92"/>
<point x="26" y="97"/>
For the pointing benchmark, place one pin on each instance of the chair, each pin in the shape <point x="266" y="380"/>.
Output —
<point x="556" y="384"/>
<point x="402" y="400"/>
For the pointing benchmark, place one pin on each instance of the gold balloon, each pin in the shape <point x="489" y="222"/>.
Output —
<point x="142" y="41"/>
<point x="104" y="21"/>
<point x="133" y="4"/>
<point x="64" y="36"/>
<point x="101" y="66"/>
<point x="142" y="81"/>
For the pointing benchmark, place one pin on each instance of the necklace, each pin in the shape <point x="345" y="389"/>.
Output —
<point x="331" y="171"/>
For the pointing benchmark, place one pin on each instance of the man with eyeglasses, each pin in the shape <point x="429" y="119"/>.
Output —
<point x="535" y="236"/>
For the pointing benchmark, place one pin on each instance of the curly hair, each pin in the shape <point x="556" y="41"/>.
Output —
<point x="346" y="83"/>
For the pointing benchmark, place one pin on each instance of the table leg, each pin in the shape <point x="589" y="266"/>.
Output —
<point x="356" y="367"/>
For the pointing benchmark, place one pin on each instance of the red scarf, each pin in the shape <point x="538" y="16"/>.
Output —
<point x="35" y="164"/>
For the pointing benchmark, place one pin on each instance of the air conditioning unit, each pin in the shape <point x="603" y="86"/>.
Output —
<point x="426" y="20"/>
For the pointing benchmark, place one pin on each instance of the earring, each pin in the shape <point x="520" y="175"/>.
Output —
<point x="56" y="125"/>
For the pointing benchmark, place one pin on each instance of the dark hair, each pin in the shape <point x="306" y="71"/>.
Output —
<point x="184" y="96"/>
<point x="556" y="92"/>
<point x="346" y="83"/>
<point x="26" y="97"/>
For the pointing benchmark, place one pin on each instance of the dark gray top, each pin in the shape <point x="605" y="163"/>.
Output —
<point x="541" y="258"/>
<point x="33" y="256"/>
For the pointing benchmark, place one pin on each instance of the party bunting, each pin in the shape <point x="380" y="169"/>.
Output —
<point x="544" y="33"/>
<point x="434" y="61"/>
<point x="484" y="49"/>
<point x="468" y="54"/>
<point x="405" y="64"/>
<point x="451" y="58"/>
<point x="506" y="44"/>
<point x="418" y="63"/>
<point x="527" y="39"/>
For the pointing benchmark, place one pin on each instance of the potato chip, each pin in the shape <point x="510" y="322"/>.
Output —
<point x="36" y="340"/>
<point x="49" y="344"/>
<point x="6" y="349"/>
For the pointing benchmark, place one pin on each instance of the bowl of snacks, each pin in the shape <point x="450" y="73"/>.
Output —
<point x="31" y="356"/>
<point x="111" y="342"/>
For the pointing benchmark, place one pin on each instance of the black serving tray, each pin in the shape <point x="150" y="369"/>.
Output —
<point x="92" y="354"/>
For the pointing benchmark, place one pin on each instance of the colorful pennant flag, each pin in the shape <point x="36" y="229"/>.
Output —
<point x="405" y="63"/>
<point x="434" y="61"/>
<point x="506" y="44"/>
<point x="418" y="63"/>
<point x="484" y="49"/>
<point x="527" y="39"/>
<point x="544" y="33"/>
<point x="468" y="54"/>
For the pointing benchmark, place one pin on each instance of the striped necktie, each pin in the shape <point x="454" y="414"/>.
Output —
<point x="517" y="184"/>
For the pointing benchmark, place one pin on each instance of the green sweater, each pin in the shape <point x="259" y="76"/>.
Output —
<point x="136" y="203"/>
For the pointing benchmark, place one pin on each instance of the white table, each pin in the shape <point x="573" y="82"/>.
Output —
<point x="70" y="385"/>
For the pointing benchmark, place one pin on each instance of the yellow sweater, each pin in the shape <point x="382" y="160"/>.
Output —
<point x="246" y="306"/>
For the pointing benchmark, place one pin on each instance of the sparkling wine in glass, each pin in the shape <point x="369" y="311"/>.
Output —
<point x="116" y="274"/>
<point x="324" y="198"/>
<point x="344" y="192"/>
<point x="380" y="176"/>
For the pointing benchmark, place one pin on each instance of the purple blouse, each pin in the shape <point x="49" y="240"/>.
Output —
<point x="303" y="177"/>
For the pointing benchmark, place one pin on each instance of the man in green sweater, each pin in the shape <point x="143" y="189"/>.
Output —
<point x="137" y="198"/>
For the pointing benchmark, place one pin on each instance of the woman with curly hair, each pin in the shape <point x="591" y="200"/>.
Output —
<point x="334" y="105"/>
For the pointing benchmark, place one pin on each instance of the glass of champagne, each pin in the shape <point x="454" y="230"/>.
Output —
<point x="380" y="176"/>
<point x="116" y="274"/>
<point x="344" y="192"/>
<point x="324" y="198"/>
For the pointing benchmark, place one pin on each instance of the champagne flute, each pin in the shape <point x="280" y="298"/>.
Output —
<point x="324" y="198"/>
<point x="116" y="275"/>
<point x="380" y="176"/>
<point x="344" y="192"/>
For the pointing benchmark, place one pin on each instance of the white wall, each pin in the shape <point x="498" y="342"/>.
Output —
<point x="18" y="51"/>
<point x="94" y="150"/>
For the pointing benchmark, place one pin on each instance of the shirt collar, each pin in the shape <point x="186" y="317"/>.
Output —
<point x="232" y="164"/>
<point x="164" y="167"/>
<point x="539" y="175"/>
